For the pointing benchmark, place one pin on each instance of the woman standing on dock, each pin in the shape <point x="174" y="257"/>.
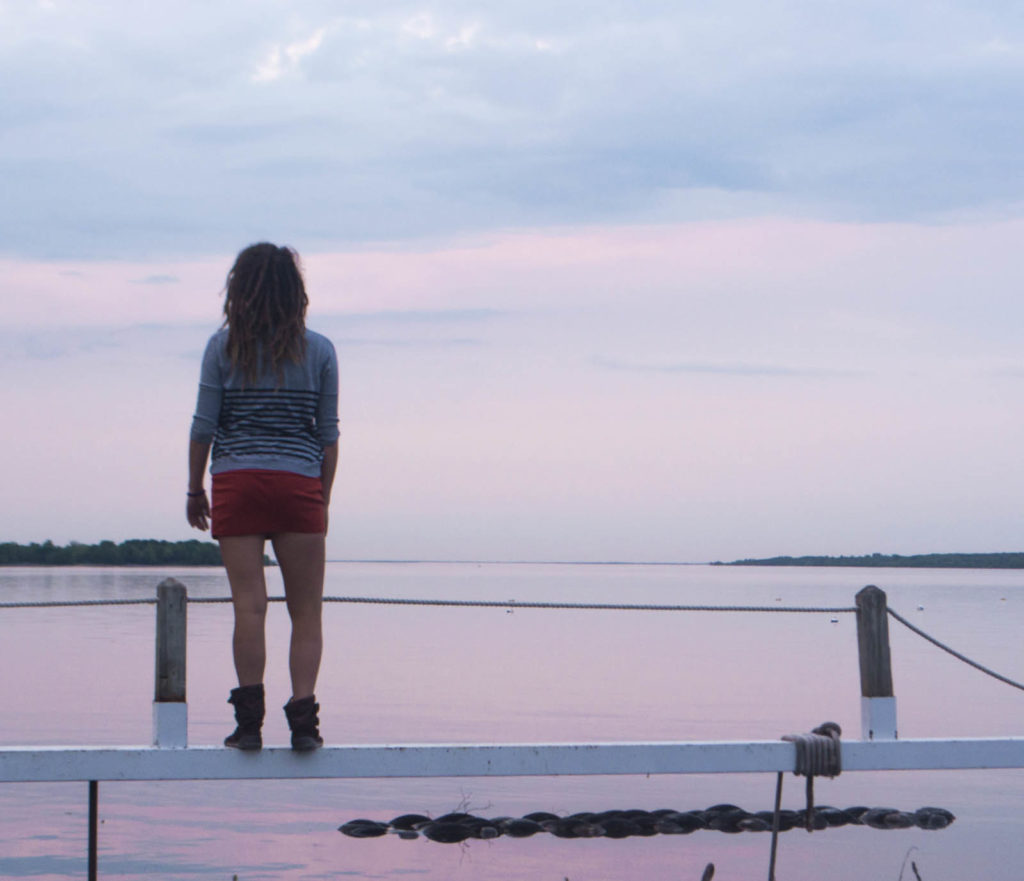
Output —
<point x="268" y="404"/>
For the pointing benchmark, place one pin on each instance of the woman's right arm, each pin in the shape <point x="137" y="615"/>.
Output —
<point x="204" y="425"/>
<point x="197" y="508"/>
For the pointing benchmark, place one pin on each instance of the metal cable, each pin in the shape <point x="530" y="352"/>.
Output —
<point x="953" y="652"/>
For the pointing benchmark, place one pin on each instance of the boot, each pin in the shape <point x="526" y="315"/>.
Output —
<point x="304" y="723"/>
<point x="249" y="712"/>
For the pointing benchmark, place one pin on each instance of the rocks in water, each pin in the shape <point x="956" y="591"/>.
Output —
<point x="458" y="826"/>
<point x="446" y="833"/>
<point x="521" y="828"/>
<point x="364" y="828"/>
<point x="409" y="821"/>
<point x="933" y="818"/>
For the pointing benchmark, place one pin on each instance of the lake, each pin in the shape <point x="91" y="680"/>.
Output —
<point x="396" y="674"/>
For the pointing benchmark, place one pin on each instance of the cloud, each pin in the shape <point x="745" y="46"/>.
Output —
<point x="420" y="316"/>
<point x="284" y="59"/>
<point x="396" y="121"/>
<point x="726" y="369"/>
<point x="157" y="279"/>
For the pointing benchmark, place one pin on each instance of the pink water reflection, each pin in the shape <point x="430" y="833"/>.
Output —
<point x="395" y="674"/>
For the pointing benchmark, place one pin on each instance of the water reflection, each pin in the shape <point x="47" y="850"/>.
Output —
<point x="399" y="674"/>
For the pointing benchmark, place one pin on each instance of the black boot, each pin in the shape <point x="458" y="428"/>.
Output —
<point x="249" y="712"/>
<point x="304" y="723"/>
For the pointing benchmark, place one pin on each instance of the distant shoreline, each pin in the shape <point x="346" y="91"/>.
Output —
<point x="1012" y="560"/>
<point x="154" y="552"/>
<point x="133" y="552"/>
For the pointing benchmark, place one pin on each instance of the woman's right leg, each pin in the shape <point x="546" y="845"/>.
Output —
<point x="243" y="560"/>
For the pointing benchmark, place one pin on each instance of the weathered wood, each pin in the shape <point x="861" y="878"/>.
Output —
<point x="94" y="800"/>
<point x="873" y="643"/>
<point x="172" y="601"/>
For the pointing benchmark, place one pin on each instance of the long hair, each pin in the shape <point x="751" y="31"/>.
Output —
<point x="265" y="311"/>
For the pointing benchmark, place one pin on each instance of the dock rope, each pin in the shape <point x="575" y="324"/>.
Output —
<point x="479" y="604"/>
<point x="817" y="755"/>
<point x="953" y="652"/>
<point x="511" y="605"/>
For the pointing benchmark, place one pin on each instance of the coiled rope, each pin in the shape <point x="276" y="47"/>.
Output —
<point x="817" y="754"/>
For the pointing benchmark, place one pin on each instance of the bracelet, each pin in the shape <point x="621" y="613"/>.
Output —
<point x="196" y="495"/>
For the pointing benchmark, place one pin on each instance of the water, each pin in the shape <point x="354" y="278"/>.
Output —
<point x="414" y="674"/>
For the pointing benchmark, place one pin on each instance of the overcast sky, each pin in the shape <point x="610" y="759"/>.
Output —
<point x="608" y="280"/>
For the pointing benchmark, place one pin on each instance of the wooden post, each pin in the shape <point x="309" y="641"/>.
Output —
<point x="878" y="705"/>
<point x="170" y="710"/>
<point x="94" y="800"/>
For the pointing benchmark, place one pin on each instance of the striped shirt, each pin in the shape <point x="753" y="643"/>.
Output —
<point x="280" y="426"/>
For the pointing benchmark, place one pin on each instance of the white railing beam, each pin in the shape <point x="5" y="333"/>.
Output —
<point x="39" y="764"/>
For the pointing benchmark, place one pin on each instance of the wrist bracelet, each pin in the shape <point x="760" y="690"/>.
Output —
<point x="196" y="495"/>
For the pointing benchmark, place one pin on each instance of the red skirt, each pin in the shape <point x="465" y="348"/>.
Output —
<point x="257" y="501"/>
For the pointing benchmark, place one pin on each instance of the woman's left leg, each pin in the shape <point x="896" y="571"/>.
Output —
<point x="301" y="558"/>
<point x="243" y="560"/>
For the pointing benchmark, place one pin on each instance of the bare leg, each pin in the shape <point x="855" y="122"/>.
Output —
<point x="301" y="558"/>
<point x="243" y="560"/>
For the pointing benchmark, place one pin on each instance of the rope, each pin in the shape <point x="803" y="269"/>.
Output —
<point x="817" y="753"/>
<point x="953" y="652"/>
<point x="485" y="604"/>
<point x="776" y="816"/>
<point x="49" y="604"/>
<point x="512" y="603"/>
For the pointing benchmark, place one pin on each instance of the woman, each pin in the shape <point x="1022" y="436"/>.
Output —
<point x="268" y="403"/>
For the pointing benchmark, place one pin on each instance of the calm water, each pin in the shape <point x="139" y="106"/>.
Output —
<point x="410" y="674"/>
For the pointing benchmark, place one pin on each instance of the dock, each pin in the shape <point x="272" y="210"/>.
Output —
<point x="169" y="757"/>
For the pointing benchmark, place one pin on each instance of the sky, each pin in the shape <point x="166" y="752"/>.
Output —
<point x="654" y="280"/>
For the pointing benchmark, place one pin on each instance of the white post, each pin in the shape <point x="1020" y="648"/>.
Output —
<point x="170" y="709"/>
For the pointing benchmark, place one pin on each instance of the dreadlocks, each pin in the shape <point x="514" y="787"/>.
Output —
<point x="265" y="310"/>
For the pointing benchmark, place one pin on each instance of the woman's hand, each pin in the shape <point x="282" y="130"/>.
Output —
<point x="198" y="512"/>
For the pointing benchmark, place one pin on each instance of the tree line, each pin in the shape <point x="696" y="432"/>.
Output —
<point x="1012" y="560"/>
<point x="133" y="552"/>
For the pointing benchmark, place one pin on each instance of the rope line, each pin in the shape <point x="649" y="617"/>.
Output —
<point x="953" y="652"/>
<point x="49" y="604"/>
<point x="486" y="604"/>
<point x="516" y="604"/>
<point x="640" y="607"/>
